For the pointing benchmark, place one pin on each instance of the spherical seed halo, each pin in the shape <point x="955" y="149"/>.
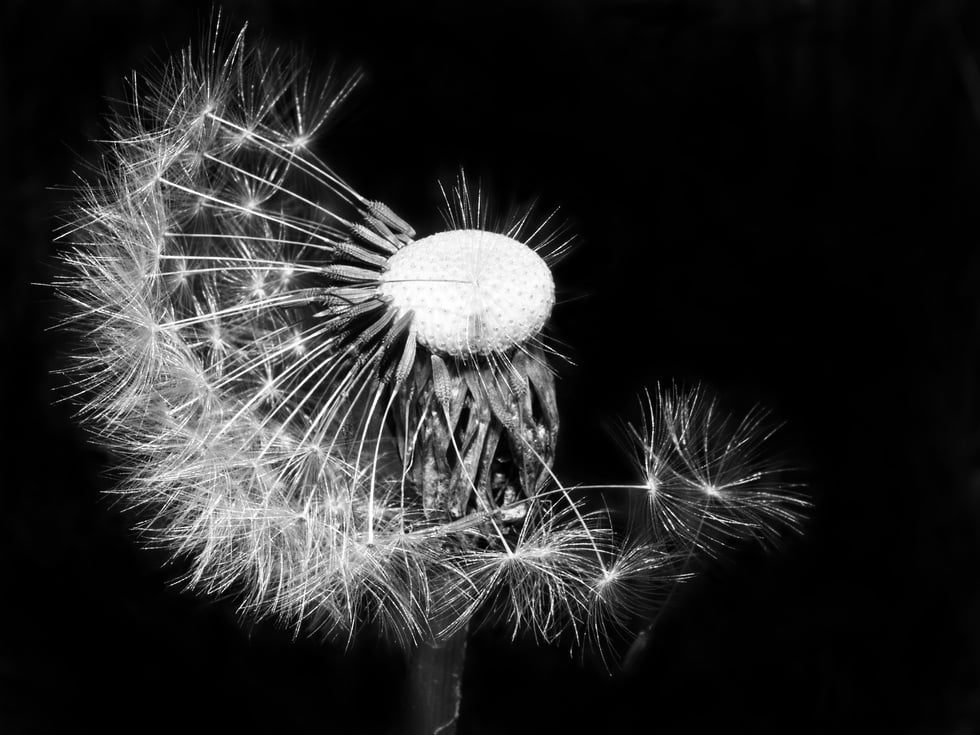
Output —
<point x="470" y="291"/>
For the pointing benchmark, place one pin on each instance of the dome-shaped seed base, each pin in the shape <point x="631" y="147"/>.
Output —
<point x="471" y="291"/>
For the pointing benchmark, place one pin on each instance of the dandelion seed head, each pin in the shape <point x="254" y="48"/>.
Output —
<point x="343" y="423"/>
<point x="470" y="291"/>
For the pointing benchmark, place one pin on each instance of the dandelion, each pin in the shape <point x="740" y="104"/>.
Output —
<point x="343" y="422"/>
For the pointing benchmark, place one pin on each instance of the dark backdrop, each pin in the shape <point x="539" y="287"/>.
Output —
<point x="777" y="198"/>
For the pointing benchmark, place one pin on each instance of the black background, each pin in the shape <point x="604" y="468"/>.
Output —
<point x="776" y="198"/>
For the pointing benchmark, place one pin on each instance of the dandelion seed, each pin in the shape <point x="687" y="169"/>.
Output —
<point x="710" y="479"/>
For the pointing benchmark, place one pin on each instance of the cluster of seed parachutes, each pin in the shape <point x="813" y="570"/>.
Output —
<point x="339" y="422"/>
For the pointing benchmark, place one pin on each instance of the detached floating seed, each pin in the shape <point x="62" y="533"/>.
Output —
<point x="471" y="292"/>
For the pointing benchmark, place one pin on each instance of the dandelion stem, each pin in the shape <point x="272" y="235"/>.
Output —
<point x="435" y="678"/>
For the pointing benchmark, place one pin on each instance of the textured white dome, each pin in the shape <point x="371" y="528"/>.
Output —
<point x="471" y="291"/>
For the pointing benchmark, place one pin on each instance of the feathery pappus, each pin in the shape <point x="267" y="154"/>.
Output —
<point x="345" y="422"/>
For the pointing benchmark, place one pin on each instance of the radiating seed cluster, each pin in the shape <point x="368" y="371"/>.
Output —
<point x="344" y="424"/>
